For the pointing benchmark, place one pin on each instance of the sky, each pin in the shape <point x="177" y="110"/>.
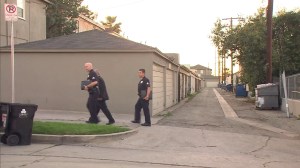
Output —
<point x="179" y="26"/>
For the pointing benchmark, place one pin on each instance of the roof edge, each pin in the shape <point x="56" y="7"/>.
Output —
<point x="72" y="51"/>
<point x="48" y="1"/>
<point x="7" y="50"/>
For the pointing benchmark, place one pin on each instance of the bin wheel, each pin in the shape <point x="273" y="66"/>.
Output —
<point x="13" y="140"/>
<point x="4" y="138"/>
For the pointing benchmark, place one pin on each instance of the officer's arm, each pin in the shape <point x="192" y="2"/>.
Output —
<point x="91" y="85"/>
<point x="148" y="93"/>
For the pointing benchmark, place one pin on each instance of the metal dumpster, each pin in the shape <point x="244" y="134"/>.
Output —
<point x="267" y="96"/>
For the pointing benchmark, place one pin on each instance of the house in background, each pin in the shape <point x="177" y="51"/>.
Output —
<point x="208" y="80"/>
<point x="85" y="24"/>
<point x="31" y="25"/>
<point x="201" y="70"/>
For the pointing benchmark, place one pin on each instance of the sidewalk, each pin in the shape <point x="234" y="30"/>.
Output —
<point x="123" y="120"/>
<point x="80" y="117"/>
<point x="245" y="109"/>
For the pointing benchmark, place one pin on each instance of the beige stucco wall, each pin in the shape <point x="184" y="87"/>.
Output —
<point x="31" y="28"/>
<point x="294" y="106"/>
<point x="52" y="80"/>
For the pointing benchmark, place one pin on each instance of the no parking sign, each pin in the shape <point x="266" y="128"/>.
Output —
<point x="11" y="13"/>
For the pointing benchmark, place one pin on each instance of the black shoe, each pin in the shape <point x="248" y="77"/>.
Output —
<point x="110" y="123"/>
<point x="146" y="124"/>
<point x="137" y="122"/>
<point x="91" y="122"/>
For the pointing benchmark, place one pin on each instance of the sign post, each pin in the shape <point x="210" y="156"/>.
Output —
<point x="11" y="15"/>
<point x="285" y="94"/>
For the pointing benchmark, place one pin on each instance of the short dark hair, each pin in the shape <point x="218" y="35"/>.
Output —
<point x="142" y="70"/>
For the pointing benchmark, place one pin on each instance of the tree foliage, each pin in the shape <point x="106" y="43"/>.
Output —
<point x="84" y="10"/>
<point x="61" y="16"/>
<point x="286" y="43"/>
<point x="111" y="25"/>
<point x="247" y="43"/>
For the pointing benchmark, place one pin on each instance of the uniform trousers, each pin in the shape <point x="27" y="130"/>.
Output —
<point x="102" y="106"/>
<point x="142" y="104"/>
<point x="93" y="107"/>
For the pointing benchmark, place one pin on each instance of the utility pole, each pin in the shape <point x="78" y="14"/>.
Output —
<point x="224" y="64"/>
<point x="231" y="18"/>
<point x="215" y="62"/>
<point x="219" y="69"/>
<point x="222" y="69"/>
<point x="269" y="40"/>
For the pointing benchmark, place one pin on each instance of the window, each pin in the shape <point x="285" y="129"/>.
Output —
<point x="21" y="8"/>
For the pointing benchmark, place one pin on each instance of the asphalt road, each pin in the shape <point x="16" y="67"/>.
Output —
<point x="196" y="134"/>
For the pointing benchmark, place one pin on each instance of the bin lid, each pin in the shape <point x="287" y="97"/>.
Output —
<point x="266" y="85"/>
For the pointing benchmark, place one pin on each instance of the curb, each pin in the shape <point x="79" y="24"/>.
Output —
<point x="79" y="139"/>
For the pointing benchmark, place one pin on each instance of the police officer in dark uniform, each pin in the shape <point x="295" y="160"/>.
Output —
<point x="92" y="103"/>
<point x="103" y="96"/>
<point x="143" y="100"/>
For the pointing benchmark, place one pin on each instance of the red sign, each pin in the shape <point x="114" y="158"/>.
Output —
<point x="11" y="13"/>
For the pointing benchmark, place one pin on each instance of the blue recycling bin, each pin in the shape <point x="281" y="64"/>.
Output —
<point x="241" y="91"/>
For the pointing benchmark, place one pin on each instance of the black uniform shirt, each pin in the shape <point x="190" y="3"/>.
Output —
<point x="143" y="85"/>
<point x="92" y="76"/>
<point x="102" y="88"/>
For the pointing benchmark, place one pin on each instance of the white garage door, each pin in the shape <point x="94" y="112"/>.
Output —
<point x="169" y="88"/>
<point x="158" y="89"/>
<point x="211" y="84"/>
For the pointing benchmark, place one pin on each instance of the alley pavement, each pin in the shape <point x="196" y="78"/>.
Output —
<point x="246" y="119"/>
<point x="202" y="132"/>
<point x="245" y="109"/>
<point x="204" y="112"/>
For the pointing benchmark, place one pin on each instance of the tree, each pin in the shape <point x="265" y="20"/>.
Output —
<point x="248" y="44"/>
<point x="218" y="37"/>
<point x="61" y="16"/>
<point x="110" y="24"/>
<point x="286" y="43"/>
<point x="251" y="46"/>
<point x="84" y="10"/>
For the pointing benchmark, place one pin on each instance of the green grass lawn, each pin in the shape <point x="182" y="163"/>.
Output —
<point x="63" y="128"/>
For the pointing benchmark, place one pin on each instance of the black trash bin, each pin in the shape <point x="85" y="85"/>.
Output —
<point x="18" y="124"/>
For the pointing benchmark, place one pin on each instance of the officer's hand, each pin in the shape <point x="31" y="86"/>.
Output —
<point x="146" y="98"/>
<point x="86" y="88"/>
